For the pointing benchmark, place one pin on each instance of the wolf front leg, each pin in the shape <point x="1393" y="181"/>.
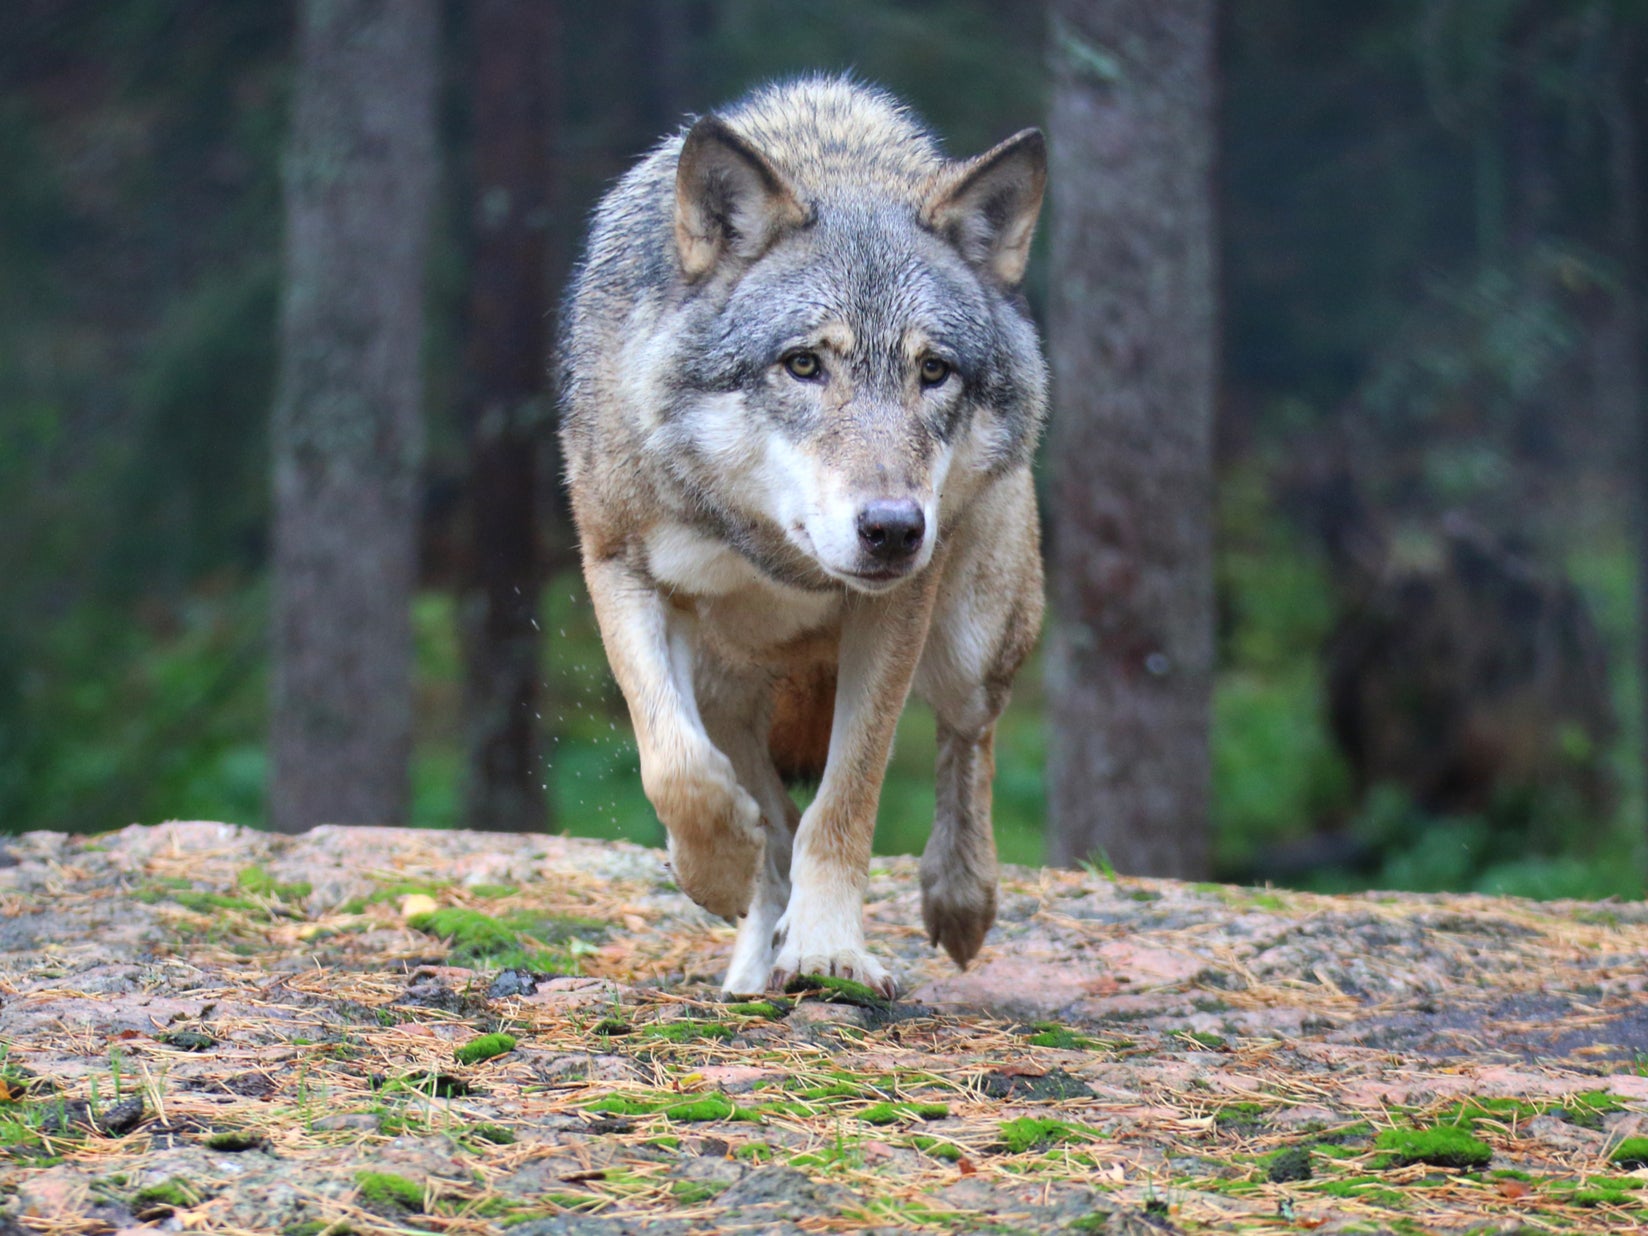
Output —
<point x="822" y="931"/>
<point x="714" y="826"/>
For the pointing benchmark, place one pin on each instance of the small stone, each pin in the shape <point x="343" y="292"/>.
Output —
<point x="512" y="983"/>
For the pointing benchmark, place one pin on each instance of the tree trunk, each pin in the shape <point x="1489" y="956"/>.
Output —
<point x="1132" y="326"/>
<point x="346" y="436"/>
<point x="515" y="92"/>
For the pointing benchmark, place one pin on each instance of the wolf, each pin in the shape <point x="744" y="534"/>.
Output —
<point x="800" y="394"/>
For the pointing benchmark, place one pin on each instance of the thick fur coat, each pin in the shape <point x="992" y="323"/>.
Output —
<point x="800" y="400"/>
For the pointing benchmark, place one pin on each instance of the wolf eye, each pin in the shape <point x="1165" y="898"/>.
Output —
<point x="933" y="371"/>
<point x="804" y="365"/>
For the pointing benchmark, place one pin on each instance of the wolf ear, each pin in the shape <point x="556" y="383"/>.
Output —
<point x="728" y="199"/>
<point x="987" y="207"/>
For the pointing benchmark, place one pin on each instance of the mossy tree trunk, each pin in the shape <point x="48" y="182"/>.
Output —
<point x="515" y="92"/>
<point x="1134" y="345"/>
<point x="346" y="435"/>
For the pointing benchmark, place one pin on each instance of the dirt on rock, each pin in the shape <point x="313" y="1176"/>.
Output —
<point x="362" y="1030"/>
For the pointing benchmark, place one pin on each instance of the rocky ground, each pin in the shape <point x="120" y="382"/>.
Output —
<point x="357" y="1030"/>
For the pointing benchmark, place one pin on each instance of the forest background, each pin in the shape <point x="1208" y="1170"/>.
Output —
<point x="1428" y="461"/>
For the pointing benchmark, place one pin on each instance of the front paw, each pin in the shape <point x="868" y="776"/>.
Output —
<point x="958" y="908"/>
<point x="816" y="953"/>
<point x="715" y="837"/>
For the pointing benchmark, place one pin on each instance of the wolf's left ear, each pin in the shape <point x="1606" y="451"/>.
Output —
<point x="987" y="207"/>
<point x="729" y="201"/>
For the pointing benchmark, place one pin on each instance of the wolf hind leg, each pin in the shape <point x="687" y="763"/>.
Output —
<point x="958" y="867"/>
<point x="984" y="625"/>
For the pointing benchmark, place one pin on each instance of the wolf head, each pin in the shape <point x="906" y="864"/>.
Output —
<point x="855" y="363"/>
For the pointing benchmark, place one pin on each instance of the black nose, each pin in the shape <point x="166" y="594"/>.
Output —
<point x="891" y="528"/>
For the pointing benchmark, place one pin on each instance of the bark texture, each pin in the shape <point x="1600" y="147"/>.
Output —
<point x="346" y="436"/>
<point x="514" y="92"/>
<point x="1133" y="338"/>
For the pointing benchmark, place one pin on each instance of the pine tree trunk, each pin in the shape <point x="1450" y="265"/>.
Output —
<point x="346" y="436"/>
<point x="515" y="92"/>
<point x="1134" y="348"/>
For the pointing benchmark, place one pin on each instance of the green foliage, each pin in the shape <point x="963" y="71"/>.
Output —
<point x="1276" y="772"/>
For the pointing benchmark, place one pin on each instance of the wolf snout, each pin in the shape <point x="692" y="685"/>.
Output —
<point x="891" y="529"/>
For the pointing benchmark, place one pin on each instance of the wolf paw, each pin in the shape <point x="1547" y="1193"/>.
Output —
<point x="715" y="839"/>
<point x="957" y="910"/>
<point x="848" y="961"/>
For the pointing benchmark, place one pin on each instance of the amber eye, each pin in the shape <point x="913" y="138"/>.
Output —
<point x="804" y="365"/>
<point x="933" y="371"/>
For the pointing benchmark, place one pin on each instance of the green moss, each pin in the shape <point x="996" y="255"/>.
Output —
<point x="468" y="931"/>
<point x="256" y="882"/>
<point x="388" y="1189"/>
<point x="612" y="1026"/>
<point x="1240" y="1115"/>
<point x="1202" y="1038"/>
<point x="939" y="1150"/>
<point x="1051" y="1034"/>
<point x="233" y="1141"/>
<point x="685" y="1030"/>
<point x="1588" y="1108"/>
<point x="771" y="1010"/>
<point x="665" y="1143"/>
<point x="203" y="903"/>
<point x="484" y="1047"/>
<point x="1632" y="1152"/>
<point x="758" y="1152"/>
<point x="838" y="990"/>
<point x="691" y="1192"/>
<point x="492" y="892"/>
<point x="1596" y="1194"/>
<point x="1499" y="1111"/>
<point x="1509" y="1173"/>
<point x="1033" y="1132"/>
<point x="895" y="1113"/>
<point x="705" y="1107"/>
<point x="1443" y="1146"/>
<point x="1289" y="1165"/>
<point x="174" y="1192"/>
<point x="491" y="1134"/>
<point x="709" y="1107"/>
<point x="1368" y="1189"/>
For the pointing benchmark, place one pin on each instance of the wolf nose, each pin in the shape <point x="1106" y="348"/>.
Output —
<point x="891" y="529"/>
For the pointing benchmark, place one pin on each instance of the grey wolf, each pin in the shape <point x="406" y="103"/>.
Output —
<point x="800" y="397"/>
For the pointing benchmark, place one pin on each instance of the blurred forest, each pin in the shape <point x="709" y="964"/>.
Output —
<point x="1429" y="442"/>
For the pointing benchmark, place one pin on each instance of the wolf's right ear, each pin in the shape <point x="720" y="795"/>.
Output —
<point x="729" y="201"/>
<point x="987" y="207"/>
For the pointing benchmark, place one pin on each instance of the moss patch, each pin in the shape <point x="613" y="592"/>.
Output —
<point x="1443" y="1146"/>
<point x="1033" y="1132"/>
<point x="484" y="1047"/>
<point x="1289" y="1165"/>
<point x="386" y="1189"/>
<point x="898" y="1113"/>
<point x="1632" y="1152"/>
